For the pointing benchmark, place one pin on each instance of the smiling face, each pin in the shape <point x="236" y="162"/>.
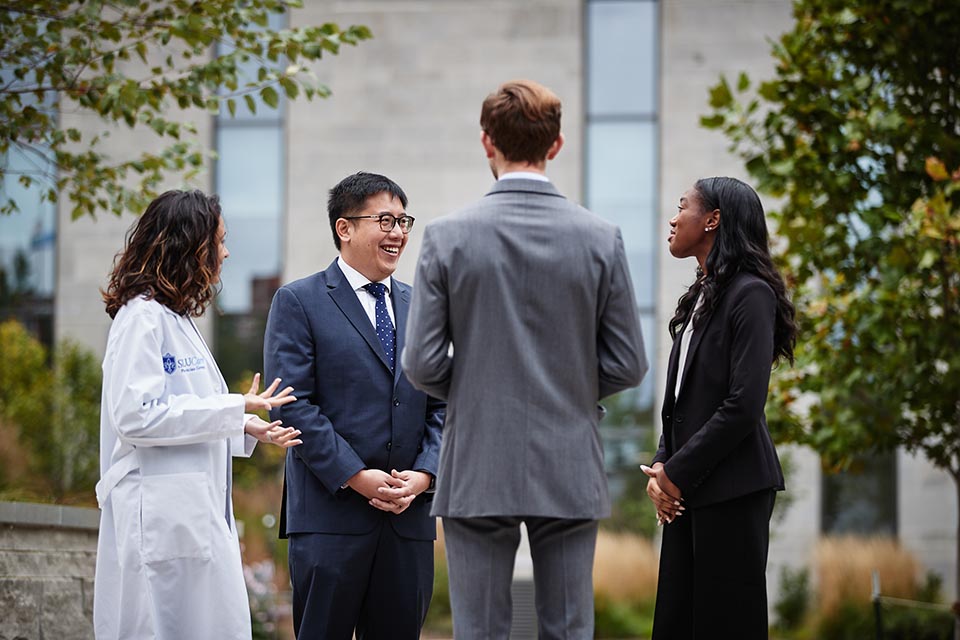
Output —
<point x="692" y="230"/>
<point x="366" y="248"/>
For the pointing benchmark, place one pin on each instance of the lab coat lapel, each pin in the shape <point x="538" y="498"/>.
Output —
<point x="189" y="328"/>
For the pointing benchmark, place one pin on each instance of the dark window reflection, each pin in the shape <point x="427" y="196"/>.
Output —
<point x="27" y="247"/>
<point x="863" y="499"/>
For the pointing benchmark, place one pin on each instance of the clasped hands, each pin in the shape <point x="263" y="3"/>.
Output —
<point x="665" y="495"/>
<point x="270" y="432"/>
<point x="392" y="492"/>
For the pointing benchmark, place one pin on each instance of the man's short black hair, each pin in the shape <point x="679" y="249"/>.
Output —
<point x="350" y="195"/>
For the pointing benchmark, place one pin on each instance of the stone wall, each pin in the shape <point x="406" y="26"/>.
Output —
<point x="47" y="559"/>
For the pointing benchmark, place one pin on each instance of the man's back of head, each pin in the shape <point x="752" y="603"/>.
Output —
<point x="522" y="119"/>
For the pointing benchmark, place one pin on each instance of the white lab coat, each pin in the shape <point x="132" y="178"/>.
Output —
<point x="168" y="559"/>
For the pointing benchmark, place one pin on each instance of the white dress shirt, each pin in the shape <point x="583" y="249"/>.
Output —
<point x="367" y="300"/>
<point x="524" y="175"/>
<point x="685" y="345"/>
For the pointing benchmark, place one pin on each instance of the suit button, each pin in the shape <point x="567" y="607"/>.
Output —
<point x="396" y="402"/>
<point x="389" y="446"/>
<point x="679" y="417"/>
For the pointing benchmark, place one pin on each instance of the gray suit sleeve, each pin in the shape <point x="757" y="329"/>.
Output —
<point x="426" y="359"/>
<point x="623" y="359"/>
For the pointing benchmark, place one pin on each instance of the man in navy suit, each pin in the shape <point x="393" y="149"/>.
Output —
<point x="356" y="498"/>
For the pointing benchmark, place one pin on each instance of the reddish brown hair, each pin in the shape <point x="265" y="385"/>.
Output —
<point x="522" y="119"/>
<point x="171" y="255"/>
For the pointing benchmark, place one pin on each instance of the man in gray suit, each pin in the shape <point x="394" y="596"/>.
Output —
<point x="523" y="318"/>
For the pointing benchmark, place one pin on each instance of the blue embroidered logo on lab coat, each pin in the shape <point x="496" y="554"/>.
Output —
<point x="169" y="363"/>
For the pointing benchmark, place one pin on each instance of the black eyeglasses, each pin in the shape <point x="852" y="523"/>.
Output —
<point x="388" y="222"/>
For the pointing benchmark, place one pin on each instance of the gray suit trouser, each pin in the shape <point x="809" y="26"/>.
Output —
<point x="480" y="558"/>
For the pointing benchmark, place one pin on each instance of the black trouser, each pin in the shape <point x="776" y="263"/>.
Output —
<point x="713" y="571"/>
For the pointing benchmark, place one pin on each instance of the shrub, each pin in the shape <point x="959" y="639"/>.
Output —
<point x="53" y="413"/>
<point x="617" y="619"/>
<point x="791" y="607"/>
<point x="845" y="566"/>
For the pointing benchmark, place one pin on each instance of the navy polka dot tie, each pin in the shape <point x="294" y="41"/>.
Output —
<point x="385" y="329"/>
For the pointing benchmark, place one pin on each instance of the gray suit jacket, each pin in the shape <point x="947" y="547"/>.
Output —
<point x="534" y="295"/>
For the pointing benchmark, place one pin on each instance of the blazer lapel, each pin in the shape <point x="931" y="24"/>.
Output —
<point x="692" y="349"/>
<point x="346" y="299"/>
<point x="401" y="306"/>
<point x="673" y="364"/>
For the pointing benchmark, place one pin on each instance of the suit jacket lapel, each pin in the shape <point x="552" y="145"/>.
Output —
<point x="673" y="364"/>
<point x="692" y="349"/>
<point x="346" y="299"/>
<point x="401" y="306"/>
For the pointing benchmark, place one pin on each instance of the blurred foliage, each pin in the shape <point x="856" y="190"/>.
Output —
<point x="50" y="415"/>
<point x="629" y="440"/>
<point x="616" y="619"/>
<point x="792" y="604"/>
<point x="439" y="616"/>
<point x="133" y="63"/>
<point x="855" y="621"/>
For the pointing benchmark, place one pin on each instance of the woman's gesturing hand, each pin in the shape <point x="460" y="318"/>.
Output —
<point x="272" y="432"/>
<point x="255" y="401"/>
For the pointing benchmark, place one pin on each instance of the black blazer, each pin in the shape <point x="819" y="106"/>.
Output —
<point x="354" y="411"/>
<point x="715" y="444"/>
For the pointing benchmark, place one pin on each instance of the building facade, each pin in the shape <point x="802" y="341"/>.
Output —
<point x="633" y="77"/>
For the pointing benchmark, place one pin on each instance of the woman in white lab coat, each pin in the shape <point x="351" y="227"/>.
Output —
<point x="168" y="559"/>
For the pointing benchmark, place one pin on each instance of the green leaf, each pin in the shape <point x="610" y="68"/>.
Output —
<point x="270" y="97"/>
<point x="743" y="82"/>
<point x="929" y="259"/>
<point x="232" y="107"/>
<point x="720" y="96"/>
<point x="712" y="122"/>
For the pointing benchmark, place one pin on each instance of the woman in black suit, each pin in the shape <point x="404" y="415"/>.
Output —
<point x="715" y="474"/>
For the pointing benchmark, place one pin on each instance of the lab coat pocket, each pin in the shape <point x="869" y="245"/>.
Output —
<point x="176" y="516"/>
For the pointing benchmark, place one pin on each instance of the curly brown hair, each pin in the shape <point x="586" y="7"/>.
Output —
<point x="171" y="255"/>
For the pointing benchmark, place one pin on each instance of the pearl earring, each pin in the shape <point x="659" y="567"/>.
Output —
<point x="707" y="229"/>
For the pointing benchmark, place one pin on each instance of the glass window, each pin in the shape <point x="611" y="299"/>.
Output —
<point x="28" y="237"/>
<point x="862" y="499"/>
<point x="620" y="180"/>
<point x="250" y="176"/>
<point x="620" y="187"/>
<point x="249" y="168"/>
<point x="622" y="57"/>
<point x="621" y="159"/>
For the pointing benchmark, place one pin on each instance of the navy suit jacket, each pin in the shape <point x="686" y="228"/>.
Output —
<point x="353" y="411"/>
<point x="715" y="444"/>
